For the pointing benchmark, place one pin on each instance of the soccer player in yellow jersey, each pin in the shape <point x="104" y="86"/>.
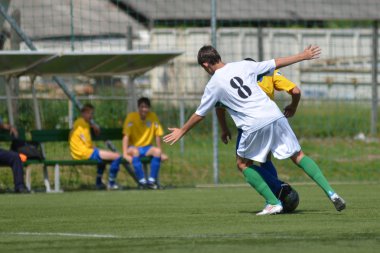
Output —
<point x="139" y="130"/>
<point x="82" y="148"/>
<point x="280" y="83"/>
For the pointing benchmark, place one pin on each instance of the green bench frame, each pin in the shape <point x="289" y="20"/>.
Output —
<point x="62" y="135"/>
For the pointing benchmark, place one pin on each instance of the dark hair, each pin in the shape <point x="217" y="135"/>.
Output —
<point x="87" y="107"/>
<point x="249" y="59"/>
<point x="208" y="54"/>
<point x="143" y="100"/>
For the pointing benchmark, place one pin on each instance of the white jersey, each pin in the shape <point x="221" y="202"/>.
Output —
<point x="235" y="87"/>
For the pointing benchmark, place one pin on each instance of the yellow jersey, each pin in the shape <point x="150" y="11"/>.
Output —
<point x="275" y="82"/>
<point x="141" y="132"/>
<point x="80" y="140"/>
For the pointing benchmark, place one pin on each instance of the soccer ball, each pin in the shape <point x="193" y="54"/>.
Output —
<point x="289" y="198"/>
<point x="291" y="201"/>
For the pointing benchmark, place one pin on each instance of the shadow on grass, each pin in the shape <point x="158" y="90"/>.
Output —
<point x="296" y="212"/>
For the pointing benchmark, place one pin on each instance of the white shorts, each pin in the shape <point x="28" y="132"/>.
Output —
<point x="277" y="137"/>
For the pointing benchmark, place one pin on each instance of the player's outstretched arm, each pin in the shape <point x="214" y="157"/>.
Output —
<point x="177" y="133"/>
<point x="310" y="53"/>
<point x="221" y="115"/>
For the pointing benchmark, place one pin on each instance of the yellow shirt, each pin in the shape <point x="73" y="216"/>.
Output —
<point x="80" y="140"/>
<point x="141" y="132"/>
<point x="275" y="82"/>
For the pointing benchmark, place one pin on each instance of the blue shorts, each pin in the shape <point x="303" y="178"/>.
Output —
<point x="95" y="156"/>
<point x="238" y="138"/>
<point x="144" y="150"/>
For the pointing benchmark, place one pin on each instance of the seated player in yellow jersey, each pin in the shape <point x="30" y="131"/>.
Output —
<point x="268" y="172"/>
<point x="139" y="130"/>
<point x="82" y="148"/>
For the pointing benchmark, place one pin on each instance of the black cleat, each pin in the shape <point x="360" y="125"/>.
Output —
<point x="22" y="191"/>
<point x="101" y="186"/>
<point x="288" y="197"/>
<point x="153" y="186"/>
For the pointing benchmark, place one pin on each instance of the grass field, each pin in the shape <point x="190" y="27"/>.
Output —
<point x="188" y="220"/>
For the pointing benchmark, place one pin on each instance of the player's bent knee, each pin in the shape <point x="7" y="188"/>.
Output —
<point x="134" y="152"/>
<point x="241" y="166"/>
<point x="157" y="152"/>
<point x="297" y="157"/>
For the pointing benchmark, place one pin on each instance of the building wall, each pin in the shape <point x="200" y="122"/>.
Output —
<point x="342" y="72"/>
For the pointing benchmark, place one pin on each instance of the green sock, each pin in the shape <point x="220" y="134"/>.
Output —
<point x="312" y="169"/>
<point x="257" y="182"/>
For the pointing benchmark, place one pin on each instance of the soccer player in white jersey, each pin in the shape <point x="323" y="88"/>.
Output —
<point x="264" y="127"/>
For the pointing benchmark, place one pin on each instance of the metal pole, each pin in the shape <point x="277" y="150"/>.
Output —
<point x="9" y="101"/>
<point x="131" y="90"/>
<point x="260" y="43"/>
<point x="31" y="46"/>
<point x="181" y="123"/>
<point x="214" y="117"/>
<point x="71" y="114"/>
<point x="72" y="25"/>
<point x="129" y="38"/>
<point x="14" y="82"/>
<point x="375" y="53"/>
<point x="37" y="115"/>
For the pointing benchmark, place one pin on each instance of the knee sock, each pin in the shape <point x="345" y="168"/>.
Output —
<point x="315" y="173"/>
<point x="268" y="165"/>
<point x="114" y="169"/>
<point x="17" y="169"/>
<point x="154" y="168"/>
<point x="257" y="182"/>
<point x="100" y="171"/>
<point x="137" y="165"/>
<point x="273" y="182"/>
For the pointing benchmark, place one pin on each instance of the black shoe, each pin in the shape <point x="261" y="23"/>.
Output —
<point x="153" y="186"/>
<point x="22" y="191"/>
<point x="141" y="186"/>
<point x="101" y="186"/>
<point x="289" y="198"/>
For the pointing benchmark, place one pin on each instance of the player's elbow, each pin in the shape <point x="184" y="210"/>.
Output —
<point x="296" y="91"/>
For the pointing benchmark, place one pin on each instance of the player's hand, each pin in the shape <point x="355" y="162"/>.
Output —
<point x="311" y="52"/>
<point x="13" y="131"/>
<point x="174" y="136"/>
<point x="96" y="129"/>
<point x="164" y="157"/>
<point x="128" y="158"/>
<point x="289" y="111"/>
<point x="226" y="136"/>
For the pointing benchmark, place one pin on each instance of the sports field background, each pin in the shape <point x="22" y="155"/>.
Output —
<point x="333" y="124"/>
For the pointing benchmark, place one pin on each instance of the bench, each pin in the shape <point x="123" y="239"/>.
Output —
<point x="6" y="137"/>
<point x="62" y="135"/>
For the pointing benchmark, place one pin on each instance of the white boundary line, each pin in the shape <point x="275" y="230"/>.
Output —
<point x="191" y="236"/>
<point x="61" y="234"/>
